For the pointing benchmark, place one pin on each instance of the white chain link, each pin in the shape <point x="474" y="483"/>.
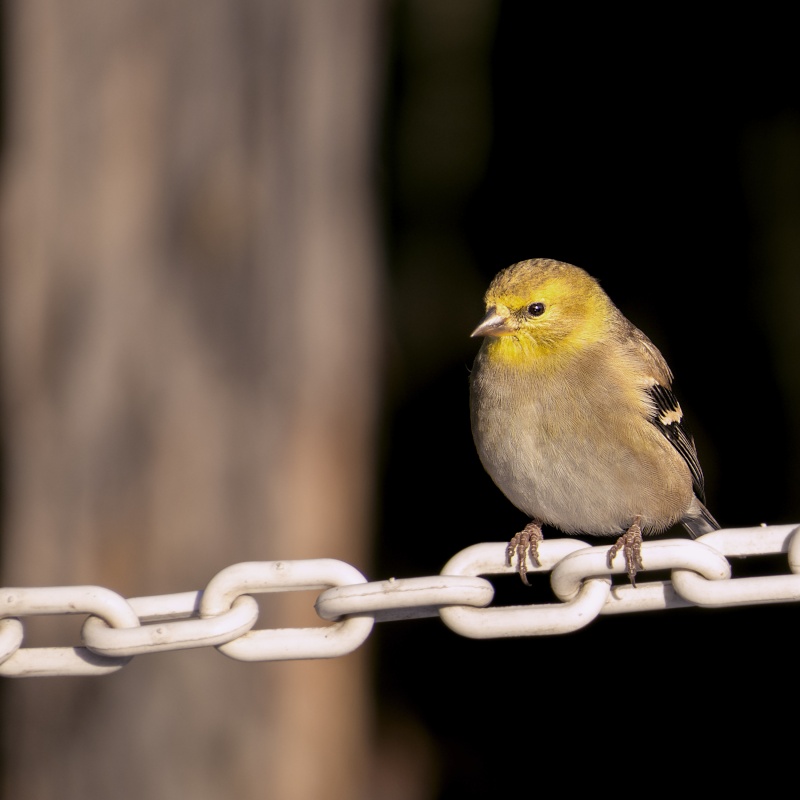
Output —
<point x="224" y="614"/>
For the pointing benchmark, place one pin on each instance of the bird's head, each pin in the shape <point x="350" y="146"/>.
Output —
<point x="541" y="308"/>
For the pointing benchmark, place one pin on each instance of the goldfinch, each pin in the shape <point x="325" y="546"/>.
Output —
<point x="574" y="417"/>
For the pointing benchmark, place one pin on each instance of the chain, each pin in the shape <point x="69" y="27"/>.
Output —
<point x="224" y="614"/>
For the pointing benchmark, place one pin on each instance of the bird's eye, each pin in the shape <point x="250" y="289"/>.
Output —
<point x="536" y="309"/>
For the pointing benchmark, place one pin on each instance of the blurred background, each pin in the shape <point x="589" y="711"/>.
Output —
<point x="243" y="246"/>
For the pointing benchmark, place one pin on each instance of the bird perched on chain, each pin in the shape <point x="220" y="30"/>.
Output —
<point x="574" y="417"/>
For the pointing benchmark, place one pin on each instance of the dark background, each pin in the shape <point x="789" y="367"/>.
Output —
<point x="661" y="156"/>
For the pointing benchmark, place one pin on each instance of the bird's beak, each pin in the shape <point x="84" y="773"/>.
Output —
<point x="493" y="324"/>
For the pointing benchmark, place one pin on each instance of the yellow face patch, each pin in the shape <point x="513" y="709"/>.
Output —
<point x="558" y="315"/>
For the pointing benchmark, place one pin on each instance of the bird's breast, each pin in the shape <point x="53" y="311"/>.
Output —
<point x="577" y="454"/>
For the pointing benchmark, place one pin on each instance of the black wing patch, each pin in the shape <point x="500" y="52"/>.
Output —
<point x="668" y="418"/>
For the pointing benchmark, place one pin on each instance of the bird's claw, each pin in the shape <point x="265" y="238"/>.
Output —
<point x="524" y="544"/>
<point x="631" y="545"/>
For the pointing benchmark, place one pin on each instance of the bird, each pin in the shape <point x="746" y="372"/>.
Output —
<point x="574" y="418"/>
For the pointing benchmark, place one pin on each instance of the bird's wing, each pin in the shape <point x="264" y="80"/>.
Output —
<point x="668" y="418"/>
<point x="666" y="414"/>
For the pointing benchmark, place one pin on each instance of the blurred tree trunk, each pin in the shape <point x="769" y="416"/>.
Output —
<point x="189" y="326"/>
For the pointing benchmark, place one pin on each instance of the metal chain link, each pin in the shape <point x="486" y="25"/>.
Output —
<point x="224" y="614"/>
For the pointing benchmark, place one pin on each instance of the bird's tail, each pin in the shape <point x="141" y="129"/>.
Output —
<point x="698" y="520"/>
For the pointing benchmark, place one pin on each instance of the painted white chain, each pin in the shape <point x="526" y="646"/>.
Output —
<point x="224" y="614"/>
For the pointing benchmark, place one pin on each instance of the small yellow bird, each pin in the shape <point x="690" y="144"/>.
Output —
<point x="574" y="417"/>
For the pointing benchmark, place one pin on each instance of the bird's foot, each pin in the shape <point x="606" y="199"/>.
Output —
<point x="631" y="545"/>
<point x="524" y="544"/>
